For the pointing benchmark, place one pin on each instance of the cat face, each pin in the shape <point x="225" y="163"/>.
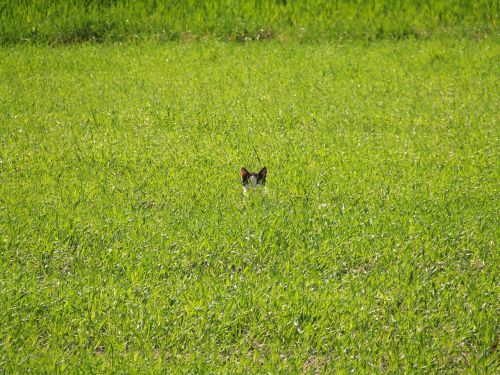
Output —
<point x="251" y="179"/>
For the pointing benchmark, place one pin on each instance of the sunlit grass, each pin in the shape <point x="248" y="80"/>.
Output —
<point x="126" y="243"/>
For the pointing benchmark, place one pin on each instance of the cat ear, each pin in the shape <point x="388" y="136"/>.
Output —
<point x="263" y="173"/>
<point x="243" y="172"/>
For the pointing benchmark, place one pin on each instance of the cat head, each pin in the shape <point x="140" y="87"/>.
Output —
<point x="252" y="179"/>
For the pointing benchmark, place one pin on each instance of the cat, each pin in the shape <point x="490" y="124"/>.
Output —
<point x="251" y="179"/>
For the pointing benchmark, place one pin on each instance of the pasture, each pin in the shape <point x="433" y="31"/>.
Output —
<point x="126" y="244"/>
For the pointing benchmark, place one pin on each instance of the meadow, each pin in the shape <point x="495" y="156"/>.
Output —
<point x="127" y="246"/>
<point x="55" y="22"/>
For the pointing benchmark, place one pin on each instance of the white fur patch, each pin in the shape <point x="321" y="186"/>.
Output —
<point x="253" y="180"/>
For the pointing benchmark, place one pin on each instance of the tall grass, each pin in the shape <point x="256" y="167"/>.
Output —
<point x="126" y="245"/>
<point x="52" y="21"/>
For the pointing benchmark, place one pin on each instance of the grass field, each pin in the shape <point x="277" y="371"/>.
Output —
<point x="126" y="244"/>
<point x="56" y="22"/>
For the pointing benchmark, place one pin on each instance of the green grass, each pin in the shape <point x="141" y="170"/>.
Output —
<point x="53" y="22"/>
<point x="126" y="244"/>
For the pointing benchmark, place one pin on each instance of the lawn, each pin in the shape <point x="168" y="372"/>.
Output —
<point x="126" y="244"/>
